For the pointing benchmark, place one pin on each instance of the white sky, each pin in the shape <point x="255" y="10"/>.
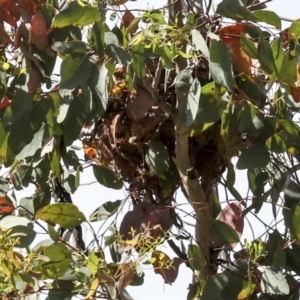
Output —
<point x="89" y="197"/>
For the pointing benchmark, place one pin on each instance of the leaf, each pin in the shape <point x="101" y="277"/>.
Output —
<point x="97" y="38"/>
<point x="195" y="256"/>
<point x="107" y="177"/>
<point x="26" y="207"/>
<point x="75" y="70"/>
<point x="268" y="17"/>
<point x="294" y="30"/>
<point x="248" y="46"/>
<point x="265" y="56"/>
<point x="236" y="10"/>
<point x="77" y="15"/>
<point x="274" y="283"/>
<point x="276" y="143"/>
<point x="70" y="47"/>
<point x="195" y="290"/>
<point x="66" y="215"/>
<point x="11" y="221"/>
<point x="226" y="285"/>
<point x="166" y="267"/>
<point x="222" y="233"/>
<point x="199" y="43"/>
<point x="138" y="60"/>
<point x="21" y="104"/>
<point x="105" y="211"/>
<point x="220" y="65"/>
<point x="98" y="86"/>
<point x="295" y="217"/>
<point x="24" y="234"/>
<point x="38" y="31"/>
<point x="232" y="215"/>
<point x="256" y="156"/>
<point x="193" y="102"/>
<point x="157" y="157"/>
<point x="36" y="143"/>
<point x="118" y="54"/>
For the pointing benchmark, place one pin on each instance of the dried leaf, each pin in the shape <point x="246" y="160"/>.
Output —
<point x="233" y="216"/>
<point x="6" y="206"/>
<point x="126" y="274"/>
<point x="166" y="267"/>
<point x="38" y="31"/>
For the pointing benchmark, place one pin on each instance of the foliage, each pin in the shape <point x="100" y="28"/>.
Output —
<point x="165" y="100"/>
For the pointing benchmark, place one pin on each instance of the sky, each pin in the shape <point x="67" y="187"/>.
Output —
<point x="90" y="196"/>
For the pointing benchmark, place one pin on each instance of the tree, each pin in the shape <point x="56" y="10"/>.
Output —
<point x="171" y="99"/>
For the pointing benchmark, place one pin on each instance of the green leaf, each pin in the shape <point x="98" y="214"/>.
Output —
<point x="105" y="211"/>
<point x="195" y="256"/>
<point x="295" y="217"/>
<point x="71" y="47"/>
<point x="24" y="234"/>
<point x="222" y="233"/>
<point x="26" y="206"/>
<point x="97" y="38"/>
<point x="277" y="50"/>
<point x="236" y="10"/>
<point x="248" y="46"/>
<point x="167" y="58"/>
<point x="75" y="70"/>
<point x="77" y="15"/>
<point x="294" y="30"/>
<point x="21" y="104"/>
<point x="199" y="43"/>
<point x="268" y="17"/>
<point x="220" y="65"/>
<point x="158" y="18"/>
<point x="138" y="60"/>
<point x="274" y="283"/>
<point x="287" y="74"/>
<point x="118" y="54"/>
<point x="157" y="157"/>
<point x="193" y="102"/>
<point x="195" y="290"/>
<point x="265" y="56"/>
<point x="11" y="221"/>
<point x="36" y="143"/>
<point x="279" y="257"/>
<point x="256" y="156"/>
<point x="66" y="215"/>
<point x="276" y="143"/>
<point x="98" y="86"/>
<point x="226" y="285"/>
<point x="107" y="177"/>
<point x="54" y="235"/>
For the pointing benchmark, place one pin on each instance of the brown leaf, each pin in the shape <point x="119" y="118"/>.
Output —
<point x="38" y="31"/>
<point x="3" y="35"/>
<point x="295" y="92"/>
<point x="166" y="267"/>
<point x="5" y="16"/>
<point x="241" y="61"/>
<point x="126" y="273"/>
<point x="139" y="104"/>
<point x="11" y="7"/>
<point x="29" y="6"/>
<point x="127" y="18"/>
<point x="145" y="221"/>
<point x="233" y="216"/>
<point x="35" y="79"/>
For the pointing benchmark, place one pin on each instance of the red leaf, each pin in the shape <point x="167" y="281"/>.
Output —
<point x="230" y="34"/>
<point x="233" y="216"/>
<point x="4" y="102"/>
<point x="38" y="31"/>
<point x="148" y="219"/>
<point x="166" y="267"/>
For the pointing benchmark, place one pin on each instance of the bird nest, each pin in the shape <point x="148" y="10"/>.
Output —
<point x="120" y="139"/>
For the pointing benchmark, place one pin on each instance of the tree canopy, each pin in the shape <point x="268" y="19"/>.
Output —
<point x="172" y="99"/>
